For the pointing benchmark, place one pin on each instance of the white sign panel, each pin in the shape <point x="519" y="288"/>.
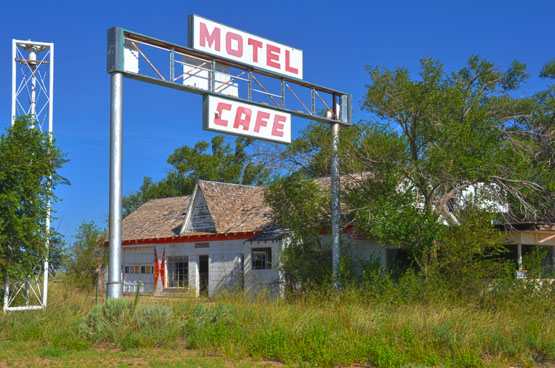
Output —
<point x="230" y="43"/>
<point x="196" y="74"/>
<point x="244" y="119"/>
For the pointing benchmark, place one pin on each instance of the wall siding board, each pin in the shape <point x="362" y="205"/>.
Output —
<point x="200" y="219"/>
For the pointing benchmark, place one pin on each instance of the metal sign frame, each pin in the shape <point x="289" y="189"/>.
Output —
<point x="124" y="45"/>
<point x="117" y="37"/>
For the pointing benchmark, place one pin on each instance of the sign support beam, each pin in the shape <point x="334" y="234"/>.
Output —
<point x="335" y="202"/>
<point x="114" y="287"/>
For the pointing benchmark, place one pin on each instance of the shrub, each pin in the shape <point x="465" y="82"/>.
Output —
<point x="117" y="321"/>
<point x="108" y="322"/>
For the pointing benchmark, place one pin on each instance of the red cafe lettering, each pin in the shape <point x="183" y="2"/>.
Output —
<point x="230" y="116"/>
<point x="246" y="48"/>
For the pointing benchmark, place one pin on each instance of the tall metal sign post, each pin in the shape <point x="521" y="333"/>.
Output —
<point x="251" y="86"/>
<point x="32" y="95"/>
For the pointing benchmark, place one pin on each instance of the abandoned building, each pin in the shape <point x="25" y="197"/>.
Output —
<point x="222" y="236"/>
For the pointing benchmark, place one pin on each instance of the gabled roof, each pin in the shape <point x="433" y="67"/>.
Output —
<point x="236" y="208"/>
<point x="158" y="218"/>
<point x="232" y="209"/>
<point x="224" y="208"/>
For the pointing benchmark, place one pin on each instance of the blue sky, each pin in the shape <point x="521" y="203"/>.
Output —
<point x="338" y="38"/>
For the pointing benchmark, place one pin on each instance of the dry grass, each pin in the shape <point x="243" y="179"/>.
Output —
<point x="324" y="329"/>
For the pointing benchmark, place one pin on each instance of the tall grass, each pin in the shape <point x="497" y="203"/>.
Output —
<point x="387" y="324"/>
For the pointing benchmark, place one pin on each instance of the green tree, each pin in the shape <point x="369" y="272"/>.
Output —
<point x="462" y="149"/>
<point x="440" y="145"/>
<point x="217" y="161"/>
<point x="87" y="256"/>
<point x="29" y="164"/>
<point x="302" y="206"/>
<point x="536" y="133"/>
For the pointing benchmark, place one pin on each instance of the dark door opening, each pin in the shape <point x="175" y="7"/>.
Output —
<point x="203" y="274"/>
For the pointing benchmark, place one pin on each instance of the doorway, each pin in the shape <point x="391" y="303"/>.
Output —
<point x="203" y="274"/>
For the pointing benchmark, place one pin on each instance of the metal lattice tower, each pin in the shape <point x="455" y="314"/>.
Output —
<point x="32" y="95"/>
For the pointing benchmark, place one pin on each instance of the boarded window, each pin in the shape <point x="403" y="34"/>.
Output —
<point x="261" y="258"/>
<point x="178" y="272"/>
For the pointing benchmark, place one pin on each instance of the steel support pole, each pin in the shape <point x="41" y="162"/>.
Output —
<point x="48" y="204"/>
<point x="14" y="74"/>
<point x="114" y="287"/>
<point x="519" y="255"/>
<point x="6" y="295"/>
<point x="249" y="92"/>
<point x="33" y="57"/>
<point x="335" y="201"/>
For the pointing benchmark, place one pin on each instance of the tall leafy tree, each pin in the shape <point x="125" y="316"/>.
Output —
<point x="87" y="256"/>
<point x="441" y="146"/>
<point x="29" y="164"/>
<point x="301" y="205"/>
<point x="536" y="134"/>
<point x="216" y="161"/>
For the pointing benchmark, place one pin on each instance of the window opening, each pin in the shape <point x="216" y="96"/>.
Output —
<point x="178" y="272"/>
<point x="261" y="258"/>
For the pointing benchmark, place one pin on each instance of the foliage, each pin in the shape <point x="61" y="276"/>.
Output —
<point x="29" y="164"/>
<point x="443" y="145"/>
<point x="392" y="215"/>
<point x="461" y="130"/>
<point x="537" y="130"/>
<point x="532" y="262"/>
<point x="471" y="254"/>
<point x="301" y="205"/>
<point x="189" y="164"/>
<point x="57" y="253"/>
<point x="87" y="256"/>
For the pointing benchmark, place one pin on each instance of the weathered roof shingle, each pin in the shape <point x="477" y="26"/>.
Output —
<point x="158" y="218"/>
<point x="234" y="208"/>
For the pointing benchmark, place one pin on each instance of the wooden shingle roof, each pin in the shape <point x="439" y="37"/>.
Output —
<point x="158" y="218"/>
<point x="233" y="209"/>
<point x="236" y="208"/>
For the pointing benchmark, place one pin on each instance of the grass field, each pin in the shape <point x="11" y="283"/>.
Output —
<point x="326" y="329"/>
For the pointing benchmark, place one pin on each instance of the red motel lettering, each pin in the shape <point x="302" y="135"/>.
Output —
<point x="249" y="49"/>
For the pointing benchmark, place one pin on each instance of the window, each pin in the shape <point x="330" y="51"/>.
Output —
<point x="138" y="269"/>
<point x="261" y="258"/>
<point x="202" y="245"/>
<point x="178" y="272"/>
